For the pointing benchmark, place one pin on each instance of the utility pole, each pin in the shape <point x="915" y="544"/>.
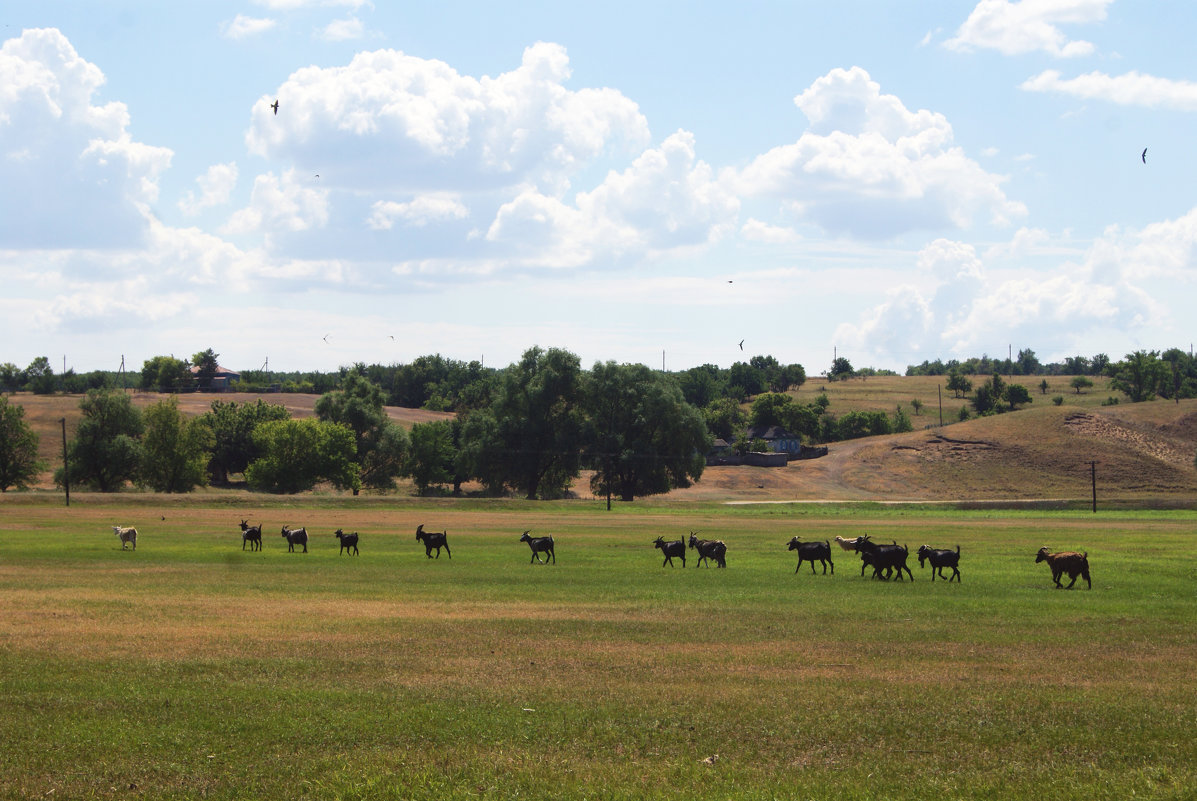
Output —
<point x="66" y="465"/>
<point x="1093" y="479"/>
<point x="939" y="393"/>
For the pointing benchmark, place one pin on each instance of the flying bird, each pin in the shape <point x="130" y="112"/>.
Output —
<point x="390" y="336"/>
<point x="325" y="337"/>
<point x="274" y="106"/>
<point x="1144" y="155"/>
<point x="741" y="344"/>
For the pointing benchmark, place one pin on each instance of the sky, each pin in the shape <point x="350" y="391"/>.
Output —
<point x="667" y="183"/>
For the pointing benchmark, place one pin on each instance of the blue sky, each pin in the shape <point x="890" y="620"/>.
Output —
<point x="638" y="182"/>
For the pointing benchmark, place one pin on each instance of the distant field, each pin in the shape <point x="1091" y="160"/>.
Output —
<point x="190" y="669"/>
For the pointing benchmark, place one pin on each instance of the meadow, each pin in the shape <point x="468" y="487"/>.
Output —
<point x="192" y="669"/>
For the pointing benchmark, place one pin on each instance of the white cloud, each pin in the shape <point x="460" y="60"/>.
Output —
<point x="216" y="186"/>
<point x="869" y="167"/>
<point x="1130" y="89"/>
<point x="757" y="231"/>
<point x="394" y="121"/>
<point x="666" y="201"/>
<point x="957" y="307"/>
<point x="419" y="212"/>
<point x="78" y="159"/>
<point x="1028" y="26"/>
<point x="242" y="27"/>
<point x="342" y="30"/>
<point x="289" y="204"/>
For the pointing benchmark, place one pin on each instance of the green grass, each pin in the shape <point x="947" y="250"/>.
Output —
<point x="192" y="670"/>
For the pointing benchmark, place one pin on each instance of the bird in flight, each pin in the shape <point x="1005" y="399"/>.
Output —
<point x="326" y="336"/>
<point x="274" y="106"/>
<point x="741" y="344"/>
<point x="1144" y="155"/>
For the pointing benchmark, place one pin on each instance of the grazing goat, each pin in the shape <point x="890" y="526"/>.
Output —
<point x="671" y="549"/>
<point x="940" y="559"/>
<point x="126" y="536"/>
<point x="540" y="545"/>
<point x="850" y="545"/>
<point x="1070" y="562"/>
<point x="433" y="539"/>
<point x="812" y="552"/>
<point x="709" y="550"/>
<point x="889" y="558"/>
<point x="348" y="542"/>
<point x="295" y="536"/>
<point x="252" y="535"/>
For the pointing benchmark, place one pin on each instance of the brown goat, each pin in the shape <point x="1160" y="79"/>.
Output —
<point x="1070" y="562"/>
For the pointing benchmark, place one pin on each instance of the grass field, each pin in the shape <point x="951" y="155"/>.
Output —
<point x="190" y="669"/>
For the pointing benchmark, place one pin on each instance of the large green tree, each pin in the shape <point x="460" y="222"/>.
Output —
<point x="19" y="465"/>
<point x="173" y="450"/>
<point x="535" y="447"/>
<point x="1140" y="375"/>
<point x="206" y="365"/>
<point x="643" y="438"/>
<point x="106" y="451"/>
<point x="39" y="376"/>
<point x="299" y="454"/>
<point x="379" y="443"/>
<point x="232" y="426"/>
<point x="431" y="460"/>
<point x="165" y="374"/>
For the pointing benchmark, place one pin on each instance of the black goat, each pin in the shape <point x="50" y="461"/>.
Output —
<point x="1070" y="562"/>
<point x="886" y="558"/>
<point x="709" y="551"/>
<point x="348" y="542"/>
<point x="433" y="539"/>
<point x="295" y="536"/>
<point x="813" y="552"/>
<point x="540" y="545"/>
<point x="671" y="549"/>
<point x="252" y="535"/>
<point x="940" y="559"/>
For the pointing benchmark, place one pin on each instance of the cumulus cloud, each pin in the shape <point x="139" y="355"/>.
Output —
<point x="242" y="27"/>
<point x="957" y="305"/>
<point x="342" y="30"/>
<point x="666" y="201"/>
<point x="1130" y="89"/>
<point x="286" y="204"/>
<point x="292" y="5"/>
<point x="756" y="231"/>
<point x="1029" y="26"/>
<point x="216" y="186"/>
<point x="395" y="121"/>
<point x="869" y="167"/>
<point x="418" y="212"/>
<point x="77" y="158"/>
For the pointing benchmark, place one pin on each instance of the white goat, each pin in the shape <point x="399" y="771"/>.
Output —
<point x="126" y="536"/>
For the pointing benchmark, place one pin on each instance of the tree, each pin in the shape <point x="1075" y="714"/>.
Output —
<point x="379" y="444"/>
<point x="959" y="384"/>
<point x="643" y="438"/>
<point x="1140" y="375"/>
<point x="298" y="454"/>
<point x="206" y="367"/>
<point x="19" y="465"/>
<point x="105" y="452"/>
<point x="770" y="409"/>
<point x="231" y="426"/>
<point x="39" y="377"/>
<point x="165" y="374"/>
<point x="724" y="418"/>
<point x="841" y="369"/>
<point x="1027" y="363"/>
<point x="173" y="450"/>
<point x="538" y="417"/>
<point x="1043" y="387"/>
<point x="1080" y="382"/>
<point x="1016" y="395"/>
<point x="432" y="456"/>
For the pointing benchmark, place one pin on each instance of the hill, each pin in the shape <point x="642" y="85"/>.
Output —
<point x="1143" y="453"/>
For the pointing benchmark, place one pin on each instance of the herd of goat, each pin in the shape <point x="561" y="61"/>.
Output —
<point x="887" y="561"/>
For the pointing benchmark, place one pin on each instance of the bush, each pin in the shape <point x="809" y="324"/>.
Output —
<point x="1058" y="400"/>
